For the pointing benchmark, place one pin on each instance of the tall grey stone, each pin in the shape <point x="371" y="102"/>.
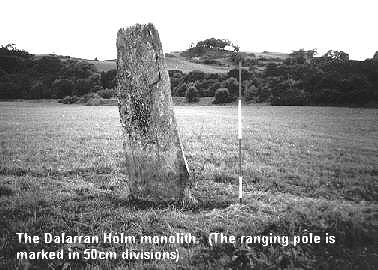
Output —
<point x="155" y="161"/>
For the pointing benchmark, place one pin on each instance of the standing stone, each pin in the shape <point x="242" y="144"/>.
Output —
<point x="155" y="162"/>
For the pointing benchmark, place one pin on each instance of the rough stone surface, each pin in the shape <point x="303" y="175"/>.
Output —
<point x="155" y="162"/>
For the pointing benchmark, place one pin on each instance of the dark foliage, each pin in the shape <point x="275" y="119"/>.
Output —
<point x="246" y="59"/>
<point x="106" y="93"/>
<point x="180" y="90"/>
<point x="69" y="100"/>
<point x="175" y="73"/>
<point x="233" y="87"/>
<point x="24" y="76"/>
<point x="245" y="74"/>
<point x="108" y="79"/>
<point x="61" y="88"/>
<point x="194" y="76"/>
<point x="210" y="44"/>
<point x="251" y="92"/>
<point x="192" y="94"/>
<point x="177" y="80"/>
<point x="302" y="79"/>
<point x="336" y="81"/>
<point x="13" y="60"/>
<point x="222" y="95"/>
<point x="213" y="43"/>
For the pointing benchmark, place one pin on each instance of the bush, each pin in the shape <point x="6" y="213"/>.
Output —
<point x="264" y="94"/>
<point x="107" y="93"/>
<point x="96" y="88"/>
<point x="109" y="78"/>
<point x="74" y="99"/>
<point x="180" y="90"/>
<point x="203" y="87"/>
<point x="222" y="95"/>
<point x="192" y="94"/>
<point x="175" y="82"/>
<point x="289" y="97"/>
<point x="82" y="87"/>
<point x="85" y="98"/>
<point x="69" y="100"/>
<point x="213" y="88"/>
<point x="35" y="90"/>
<point x="175" y="73"/>
<point x="14" y="86"/>
<point x="233" y="87"/>
<point x="62" y="88"/>
<point x="251" y="92"/>
<point x="245" y="74"/>
<point x="79" y="70"/>
<point x="216" y="76"/>
<point x="210" y="62"/>
<point x="195" y="75"/>
<point x="95" y="100"/>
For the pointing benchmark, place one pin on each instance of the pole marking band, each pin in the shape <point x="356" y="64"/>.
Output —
<point x="240" y="187"/>
<point x="239" y="120"/>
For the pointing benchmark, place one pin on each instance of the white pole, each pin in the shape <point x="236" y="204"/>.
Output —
<point x="240" y="137"/>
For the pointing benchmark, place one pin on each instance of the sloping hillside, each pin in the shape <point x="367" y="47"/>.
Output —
<point x="104" y="65"/>
<point x="175" y="61"/>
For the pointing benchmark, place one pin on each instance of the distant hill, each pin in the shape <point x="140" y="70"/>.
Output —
<point x="271" y="55"/>
<point x="105" y="65"/>
<point x="220" y="63"/>
<point x="173" y="61"/>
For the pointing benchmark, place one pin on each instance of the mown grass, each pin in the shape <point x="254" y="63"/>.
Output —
<point x="305" y="168"/>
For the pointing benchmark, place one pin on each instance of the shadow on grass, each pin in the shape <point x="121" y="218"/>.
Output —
<point x="140" y="204"/>
<point x="54" y="173"/>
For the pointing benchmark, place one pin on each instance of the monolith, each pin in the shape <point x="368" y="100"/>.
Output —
<point x="155" y="161"/>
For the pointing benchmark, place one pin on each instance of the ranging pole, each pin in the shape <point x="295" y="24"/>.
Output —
<point x="240" y="137"/>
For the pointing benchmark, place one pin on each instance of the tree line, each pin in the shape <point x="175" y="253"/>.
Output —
<point x="331" y="79"/>
<point x="25" y="76"/>
<point x="301" y="79"/>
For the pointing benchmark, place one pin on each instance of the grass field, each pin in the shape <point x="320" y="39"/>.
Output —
<point x="305" y="168"/>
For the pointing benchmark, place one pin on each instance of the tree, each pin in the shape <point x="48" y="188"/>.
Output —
<point x="204" y="46"/>
<point x="213" y="43"/>
<point x="107" y="93"/>
<point x="245" y="74"/>
<point x="222" y="95"/>
<point x="48" y="66"/>
<point x="194" y="76"/>
<point x="78" y="69"/>
<point x="108" y="79"/>
<point x="336" y="56"/>
<point x="375" y="57"/>
<point x="192" y="94"/>
<point x="180" y="90"/>
<point x="251" y="92"/>
<point x="233" y="87"/>
<point x="62" y="88"/>
<point x="81" y="87"/>
<point x="13" y="60"/>
<point x="301" y="57"/>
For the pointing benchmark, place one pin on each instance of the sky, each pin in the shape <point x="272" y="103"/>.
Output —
<point x="88" y="29"/>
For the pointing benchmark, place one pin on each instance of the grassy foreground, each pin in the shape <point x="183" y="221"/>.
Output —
<point x="306" y="169"/>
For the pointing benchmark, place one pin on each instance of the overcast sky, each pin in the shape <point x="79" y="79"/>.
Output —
<point x="88" y="29"/>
